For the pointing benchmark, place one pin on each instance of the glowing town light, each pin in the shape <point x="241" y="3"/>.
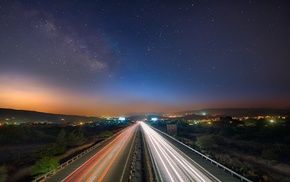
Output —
<point x="203" y="113"/>
<point x="153" y="119"/>
<point x="122" y="118"/>
<point x="272" y="121"/>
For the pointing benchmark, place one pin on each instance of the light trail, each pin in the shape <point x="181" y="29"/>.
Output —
<point x="172" y="164"/>
<point x="99" y="167"/>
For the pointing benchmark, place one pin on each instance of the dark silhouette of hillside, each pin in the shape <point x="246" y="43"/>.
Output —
<point x="12" y="115"/>
<point x="239" y="112"/>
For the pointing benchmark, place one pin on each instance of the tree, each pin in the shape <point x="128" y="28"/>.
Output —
<point x="11" y="134"/>
<point x="61" y="142"/>
<point x="47" y="150"/>
<point x="105" y="134"/>
<point x="205" y="142"/>
<point x="44" y="165"/>
<point x="75" y="138"/>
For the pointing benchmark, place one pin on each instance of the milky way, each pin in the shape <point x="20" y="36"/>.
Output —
<point x="115" y="57"/>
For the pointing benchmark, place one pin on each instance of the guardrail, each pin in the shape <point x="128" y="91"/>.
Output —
<point x="242" y="178"/>
<point x="156" y="172"/>
<point x="134" y="158"/>
<point x="74" y="158"/>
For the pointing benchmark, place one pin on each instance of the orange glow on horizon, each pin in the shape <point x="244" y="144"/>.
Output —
<point x="27" y="93"/>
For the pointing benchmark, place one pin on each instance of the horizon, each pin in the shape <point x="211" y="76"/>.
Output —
<point x="201" y="112"/>
<point x="112" y="58"/>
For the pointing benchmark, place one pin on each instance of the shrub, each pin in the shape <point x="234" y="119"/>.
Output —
<point x="44" y="165"/>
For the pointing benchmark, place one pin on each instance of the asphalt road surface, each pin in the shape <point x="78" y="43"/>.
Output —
<point x="171" y="163"/>
<point x="111" y="162"/>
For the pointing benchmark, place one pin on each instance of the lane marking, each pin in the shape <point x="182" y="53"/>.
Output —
<point x="75" y="172"/>
<point x="101" y="165"/>
<point x="110" y="164"/>
<point x="128" y="157"/>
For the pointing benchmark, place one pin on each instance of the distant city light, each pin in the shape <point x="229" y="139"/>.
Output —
<point x="272" y="121"/>
<point x="153" y="119"/>
<point x="203" y="113"/>
<point x="122" y="118"/>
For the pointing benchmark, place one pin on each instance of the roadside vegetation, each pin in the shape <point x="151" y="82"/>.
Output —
<point x="28" y="151"/>
<point x="3" y="174"/>
<point x="257" y="149"/>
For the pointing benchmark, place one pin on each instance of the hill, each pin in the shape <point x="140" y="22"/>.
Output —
<point x="12" y="115"/>
<point x="238" y="112"/>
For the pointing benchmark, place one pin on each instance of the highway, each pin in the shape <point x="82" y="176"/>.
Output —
<point x="110" y="163"/>
<point x="171" y="163"/>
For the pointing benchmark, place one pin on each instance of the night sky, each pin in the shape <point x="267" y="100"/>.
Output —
<point x="118" y="57"/>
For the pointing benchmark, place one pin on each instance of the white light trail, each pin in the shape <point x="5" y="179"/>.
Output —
<point x="171" y="163"/>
